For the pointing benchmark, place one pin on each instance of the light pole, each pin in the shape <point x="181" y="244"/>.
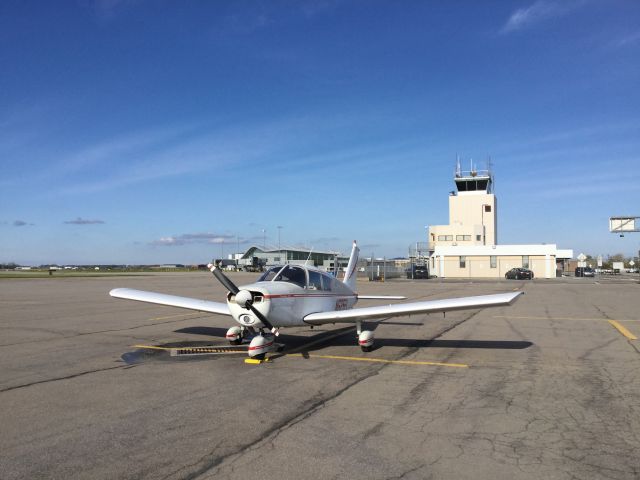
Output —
<point x="264" y="239"/>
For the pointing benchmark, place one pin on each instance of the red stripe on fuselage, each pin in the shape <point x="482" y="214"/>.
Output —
<point x="310" y="295"/>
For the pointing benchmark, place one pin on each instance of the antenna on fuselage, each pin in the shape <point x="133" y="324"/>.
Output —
<point x="309" y="257"/>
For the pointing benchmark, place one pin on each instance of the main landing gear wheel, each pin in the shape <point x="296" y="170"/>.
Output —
<point x="365" y="340"/>
<point x="234" y="335"/>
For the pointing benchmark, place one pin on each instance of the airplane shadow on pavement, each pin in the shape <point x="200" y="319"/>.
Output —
<point x="348" y="338"/>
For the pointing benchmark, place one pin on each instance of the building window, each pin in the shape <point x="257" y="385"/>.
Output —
<point x="478" y="238"/>
<point x="525" y="261"/>
<point x="445" y="238"/>
<point x="463" y="238"/>
<point x="276" y="259"/>
<point x="487" y="208"/>
<point x="493" y="261"/>
<point x="463" y="262"/>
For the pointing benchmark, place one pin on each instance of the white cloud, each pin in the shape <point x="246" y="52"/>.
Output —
<point x="187" y="238"/>
<point x="628" y="40"/>
<point x="537" y="12"/>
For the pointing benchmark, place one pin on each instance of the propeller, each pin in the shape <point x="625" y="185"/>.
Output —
<point x="243" y="297"/>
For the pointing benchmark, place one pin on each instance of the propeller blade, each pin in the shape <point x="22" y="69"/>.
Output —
<point x="229" y="285"/>
<point x="262" y="318"/>
<point x="222" y="278"/>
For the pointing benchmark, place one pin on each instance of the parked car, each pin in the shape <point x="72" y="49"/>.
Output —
<point x="519" y="274"/>
<point x="417" y="271"/>
<point x="584" y="272"/>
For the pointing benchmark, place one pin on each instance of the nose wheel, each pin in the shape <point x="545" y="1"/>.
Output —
<point x="365" y="338"/>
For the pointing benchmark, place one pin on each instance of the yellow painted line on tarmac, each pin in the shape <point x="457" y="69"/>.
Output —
<point x="151" y="347"/>
<point x="623" y="330"/>
<point x="380" y="360"/>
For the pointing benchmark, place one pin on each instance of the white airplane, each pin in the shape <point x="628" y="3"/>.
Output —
<point x="294" y="296"/>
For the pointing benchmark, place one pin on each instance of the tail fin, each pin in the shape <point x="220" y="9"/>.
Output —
<point x="351" y="274"/>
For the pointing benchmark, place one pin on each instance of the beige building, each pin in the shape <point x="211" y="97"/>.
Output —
<point x="468" y="246"/>
<point x="472" y="213"/>
<point x="493" y="261"/>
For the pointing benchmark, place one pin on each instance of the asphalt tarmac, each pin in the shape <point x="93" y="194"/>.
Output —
<point x="548" y="388"/>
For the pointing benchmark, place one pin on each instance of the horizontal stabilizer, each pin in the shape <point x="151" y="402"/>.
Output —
<point x="171" y="300"/>
<point x="400" y="309"/>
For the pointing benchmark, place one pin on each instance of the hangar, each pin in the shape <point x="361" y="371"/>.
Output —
<point x="468" y="246"/>
<point x="297" y="255"/>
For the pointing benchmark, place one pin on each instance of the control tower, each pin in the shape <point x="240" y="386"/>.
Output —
<point x="472" y="211"/>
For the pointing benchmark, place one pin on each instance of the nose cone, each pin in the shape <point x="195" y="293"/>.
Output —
<point x="242" y="297"/>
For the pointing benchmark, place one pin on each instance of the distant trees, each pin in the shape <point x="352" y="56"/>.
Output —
<point x="608" y="261"/>
<point x="8" y="266"/>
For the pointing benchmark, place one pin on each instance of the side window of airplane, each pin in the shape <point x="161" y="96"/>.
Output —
<point x="294" y="275"/>
<point x="315" y="280"/>
<point x="327" y="282"/>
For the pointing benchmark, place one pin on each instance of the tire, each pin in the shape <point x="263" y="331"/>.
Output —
<point x="260" y="356"/>
<point x="366" y="349"/>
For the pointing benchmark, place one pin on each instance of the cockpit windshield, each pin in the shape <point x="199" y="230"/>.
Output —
<point x="269" y="274"/>
<point x="288" y="273"/>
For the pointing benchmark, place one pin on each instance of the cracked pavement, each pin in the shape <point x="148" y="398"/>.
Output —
<point x="551" y="390"/>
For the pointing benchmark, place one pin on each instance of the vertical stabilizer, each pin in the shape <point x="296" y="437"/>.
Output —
<point x="351" y="273"/>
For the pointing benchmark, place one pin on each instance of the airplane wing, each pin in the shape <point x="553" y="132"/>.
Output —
<point x="399" y="309"/>
<point x="171" y="300"/>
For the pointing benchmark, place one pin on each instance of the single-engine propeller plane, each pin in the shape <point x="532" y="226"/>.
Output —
<point x="296" y="295"/>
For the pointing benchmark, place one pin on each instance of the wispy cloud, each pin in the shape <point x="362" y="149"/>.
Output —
<point x="21" y="223"/>
<point x="190" y="238"/>
<point x="537" y="12"/>
<point x="107" y="10"/>
<point x="325" y="240"/>
<point x="245" y="20"/>
<point x="627" y="40"/>
<point x="83" y="221"/>
<point x="135" y="159"/>
<point x="609" y="182"/>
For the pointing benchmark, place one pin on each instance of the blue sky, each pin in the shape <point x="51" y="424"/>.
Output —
<point x="157" y="131"/>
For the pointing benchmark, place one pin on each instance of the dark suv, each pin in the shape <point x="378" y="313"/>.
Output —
<point x="585" y="272"/>
<point x="417" y="271"/>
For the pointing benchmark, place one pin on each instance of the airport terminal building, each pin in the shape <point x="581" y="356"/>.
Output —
<point x="468" y="246"/>
<point x="267" y="257"/>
